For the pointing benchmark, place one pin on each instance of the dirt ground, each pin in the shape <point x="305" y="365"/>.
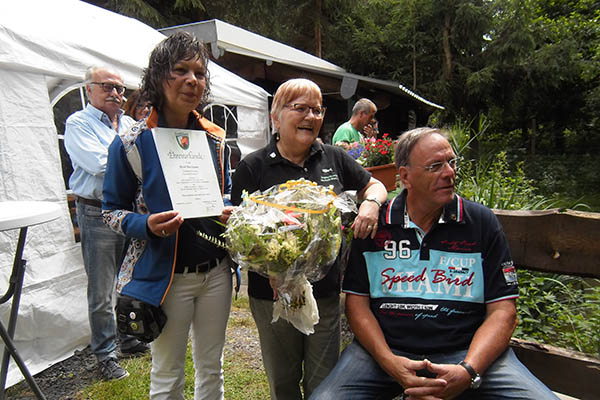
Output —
<point x="64" y="380"/>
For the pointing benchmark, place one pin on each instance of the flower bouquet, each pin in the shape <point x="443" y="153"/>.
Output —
<point x="291" y="234"/>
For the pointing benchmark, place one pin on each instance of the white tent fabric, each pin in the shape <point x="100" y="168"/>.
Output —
<point x="45" y="48"/>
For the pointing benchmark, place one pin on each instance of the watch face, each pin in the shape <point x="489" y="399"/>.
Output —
<point x="476" y="382"/>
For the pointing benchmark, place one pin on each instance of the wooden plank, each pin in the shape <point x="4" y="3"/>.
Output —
<point x="563" y="371"/>
<point x="554" y="240"/>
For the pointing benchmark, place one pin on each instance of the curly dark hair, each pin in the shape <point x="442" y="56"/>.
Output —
<point x="178" y="47"/>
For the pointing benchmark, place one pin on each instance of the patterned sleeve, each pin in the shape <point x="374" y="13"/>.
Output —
<point x="121" y="191"/>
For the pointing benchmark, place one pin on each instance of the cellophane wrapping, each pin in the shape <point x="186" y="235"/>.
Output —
<point x="291" y="234"/>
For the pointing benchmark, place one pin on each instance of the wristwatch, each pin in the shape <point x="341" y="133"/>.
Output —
<point x="374" y="200"/>
<point x="475" y="377"/>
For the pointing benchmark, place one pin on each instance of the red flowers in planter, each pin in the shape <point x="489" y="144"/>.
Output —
<point x="377" y="151"/>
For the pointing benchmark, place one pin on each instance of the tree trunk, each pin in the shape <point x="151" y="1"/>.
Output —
<point x="318" y="6"/>
<point x="447" y="67"/>
<point x="414" y="58"/>
<point x="532" y="135"/>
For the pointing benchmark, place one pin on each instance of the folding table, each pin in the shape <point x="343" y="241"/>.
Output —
<point x="20" y="215"/>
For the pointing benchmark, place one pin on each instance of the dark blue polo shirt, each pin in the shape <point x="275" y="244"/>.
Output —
<point x="429" y="291"/>
<point x="326" y="165"/>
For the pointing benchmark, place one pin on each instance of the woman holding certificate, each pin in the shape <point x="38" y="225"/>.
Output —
<point x="167" y="264"/>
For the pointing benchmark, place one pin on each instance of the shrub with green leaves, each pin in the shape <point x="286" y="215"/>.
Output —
<point x="559" y="310"/>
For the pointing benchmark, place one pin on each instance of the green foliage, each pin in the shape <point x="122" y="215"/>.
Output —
<point x="158" y="14"/>
<point x="572" y="175"/>
<point x="490" y="180"/>
<point x="559" y="310"/>
<point x="493" y="183"/>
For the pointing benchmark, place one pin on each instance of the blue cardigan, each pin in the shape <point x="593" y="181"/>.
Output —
<point x="147" y="269"/>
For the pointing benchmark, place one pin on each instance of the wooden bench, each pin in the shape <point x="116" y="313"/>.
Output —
<point x="565" y="242"/>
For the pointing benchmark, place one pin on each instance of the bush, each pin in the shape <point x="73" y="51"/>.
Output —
<point x="559" y="310"/>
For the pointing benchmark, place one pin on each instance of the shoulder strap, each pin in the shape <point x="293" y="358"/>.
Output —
<point x="133" y="156"/>
<point x="128" y="139"/>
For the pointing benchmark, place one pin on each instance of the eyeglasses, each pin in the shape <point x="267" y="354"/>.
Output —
<point x="318" y="112"/>
<point x="108" y="87"/>
<point x="141" y="106"/>
<point x="437" y="167"/>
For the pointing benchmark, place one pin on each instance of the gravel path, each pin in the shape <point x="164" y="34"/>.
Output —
<point x="63" y="380"/>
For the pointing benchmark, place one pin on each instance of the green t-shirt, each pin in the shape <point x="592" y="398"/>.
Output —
<point x="346" y="133"/>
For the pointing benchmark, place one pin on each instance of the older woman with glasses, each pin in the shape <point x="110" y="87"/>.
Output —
<point x="297" y="115"/>
<point x="167" y="264"/>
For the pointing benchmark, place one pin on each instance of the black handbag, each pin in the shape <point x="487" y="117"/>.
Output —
<point x="139" y="319"/>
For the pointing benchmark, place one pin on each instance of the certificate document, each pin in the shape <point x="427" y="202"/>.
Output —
<point x="189" y="172"/>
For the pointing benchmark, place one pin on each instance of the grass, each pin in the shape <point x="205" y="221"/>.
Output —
<point x="242" y="380"/>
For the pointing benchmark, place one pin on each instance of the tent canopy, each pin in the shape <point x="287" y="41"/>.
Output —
<point x="62" y="38"/>
<point x="45" y="49"/>
<point x="226" y="38"/>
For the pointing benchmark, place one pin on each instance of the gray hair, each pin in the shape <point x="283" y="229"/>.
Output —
<point x="407" y="142"/>
<point x="365" y="105"/>
<point x="89" y="73"/>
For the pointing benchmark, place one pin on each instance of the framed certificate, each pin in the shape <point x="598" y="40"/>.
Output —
<point x="189" y="172"/>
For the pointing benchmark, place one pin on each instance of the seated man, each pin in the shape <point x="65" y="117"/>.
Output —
<point x="431" y="299"/>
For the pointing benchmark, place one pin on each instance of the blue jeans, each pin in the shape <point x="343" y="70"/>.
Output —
<point x="102" y="254"/>
<point x="358" y="376"/>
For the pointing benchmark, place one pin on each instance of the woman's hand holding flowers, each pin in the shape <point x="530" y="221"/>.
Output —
<point x="225" y="214"/>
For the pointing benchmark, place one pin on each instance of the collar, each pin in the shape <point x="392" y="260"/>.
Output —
<point x="98" y="113"/>
<point x="397" y="214"/>
<point x="192" y="122"/>
<point x="195" y="121"/>
<point x="274" y="157"/>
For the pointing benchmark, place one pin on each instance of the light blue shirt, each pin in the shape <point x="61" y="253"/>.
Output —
<point x="88" y="133"/>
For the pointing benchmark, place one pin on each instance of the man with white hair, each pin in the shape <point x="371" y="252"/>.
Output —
<point x="88" y="133"/>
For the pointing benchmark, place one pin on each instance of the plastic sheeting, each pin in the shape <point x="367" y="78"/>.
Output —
<point x="45" y="47"/>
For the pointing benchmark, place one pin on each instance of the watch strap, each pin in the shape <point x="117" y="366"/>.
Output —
<point x="475" y="377"/>
<point x="374" y="200"/>
<point x="469" y="369"/>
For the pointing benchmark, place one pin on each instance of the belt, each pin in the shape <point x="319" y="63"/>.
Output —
<point x="198" y="268"/>
<point x="89" y="202"/>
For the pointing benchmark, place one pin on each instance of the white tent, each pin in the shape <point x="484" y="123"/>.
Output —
<point x="45" y="48"/>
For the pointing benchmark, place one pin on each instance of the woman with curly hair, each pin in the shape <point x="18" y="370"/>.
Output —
<point x="167" y="264"/>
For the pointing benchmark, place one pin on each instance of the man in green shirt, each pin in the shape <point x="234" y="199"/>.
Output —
<point x="350" y="131"/>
